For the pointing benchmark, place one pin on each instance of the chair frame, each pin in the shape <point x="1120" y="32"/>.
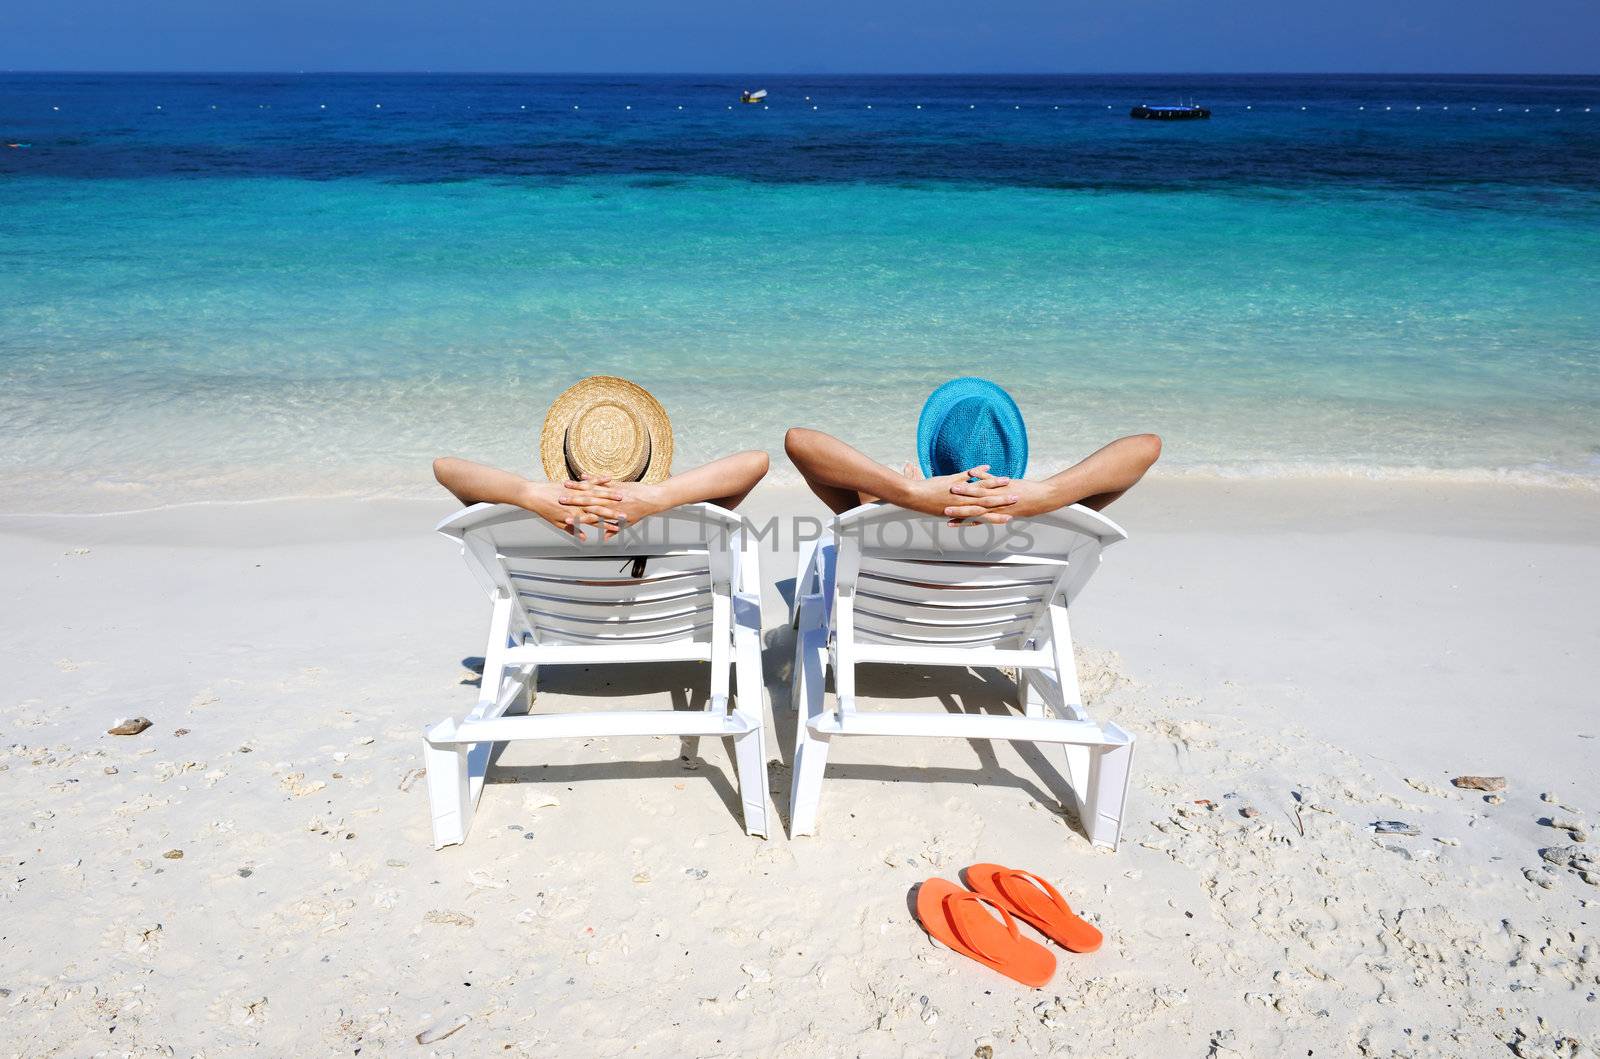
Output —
<point x="457" y="753"/>
<point x="825" y="614"/>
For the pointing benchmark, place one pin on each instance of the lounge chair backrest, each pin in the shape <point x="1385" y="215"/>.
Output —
<point x="917" y="581"/>
<point x="572" y="592"/>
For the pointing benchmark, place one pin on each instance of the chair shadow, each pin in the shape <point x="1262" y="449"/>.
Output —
<point x="786" y="590"/>
<point x="687" y="685"/>
<point x="777" y="662"/>
<point x="958" y="690"/>
<point x="624" y="770"/>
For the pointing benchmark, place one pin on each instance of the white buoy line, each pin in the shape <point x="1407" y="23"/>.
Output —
<point x="1416" y="108"/>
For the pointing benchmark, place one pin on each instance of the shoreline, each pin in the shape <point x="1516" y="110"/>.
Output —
<point x="421" y="488"/>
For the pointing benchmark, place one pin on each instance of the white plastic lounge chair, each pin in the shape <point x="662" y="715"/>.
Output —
<point x="889" y="585"/>
<point x="561" y="601"/>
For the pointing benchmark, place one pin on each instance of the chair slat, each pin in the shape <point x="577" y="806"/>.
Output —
<point x="871" y="628"/>
<point x="917" y="617"/>
<point x="670" y="559"/>
<point x="560" y="632"/>
<point x="904" y="599"/>
<point x="610" y="596"/>
<point x="544" y="610"/>
<point x="966" y="575"/>
<point x="555" y="572"/>
<point x="620" y="593"/>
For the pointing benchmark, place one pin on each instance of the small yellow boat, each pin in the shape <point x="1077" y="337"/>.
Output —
<point x="758" y="96"/>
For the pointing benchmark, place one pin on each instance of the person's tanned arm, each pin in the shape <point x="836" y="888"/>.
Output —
<point x="592" y="501"/>
<point x="1094" y="481"/>
<point x="723" y="482"/>
<point x="844" y="477"/>
<point x="478" y="483"/>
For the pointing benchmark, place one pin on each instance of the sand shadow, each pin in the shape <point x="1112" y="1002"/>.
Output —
<point x="911" y="908"/>
<point x="687" y="684"/>
<point x="958" y="690"/>
<point x="786" y="590"/>
<point x="598" y="771"/>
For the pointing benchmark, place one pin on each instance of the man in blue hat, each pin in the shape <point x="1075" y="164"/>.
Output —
<point x="972" y="452"/>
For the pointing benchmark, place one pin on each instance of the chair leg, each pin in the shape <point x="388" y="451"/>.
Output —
<point x="750" y="749"/>
<point x="1103" y="799"/>
<point x="1078" y="768"/>
<point x="810" y="760"/>
<point x="750" y="752"/>
<point x="1033" y="701"/>
<point x="806" y="556"/>
<point x="810" y="750"/>
<point x="449" y="792"/>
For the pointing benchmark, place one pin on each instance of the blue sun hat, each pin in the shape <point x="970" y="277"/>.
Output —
<point x="969" y="422"/>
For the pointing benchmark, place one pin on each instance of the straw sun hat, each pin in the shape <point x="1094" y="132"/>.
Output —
<point x="608" y="426"/>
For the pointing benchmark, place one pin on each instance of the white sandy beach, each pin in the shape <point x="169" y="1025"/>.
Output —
<point x="1327" y="653"/>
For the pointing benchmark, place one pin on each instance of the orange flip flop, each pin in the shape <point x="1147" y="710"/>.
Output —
<point x="957" y="918"/>
<point x="1034" y="901"/>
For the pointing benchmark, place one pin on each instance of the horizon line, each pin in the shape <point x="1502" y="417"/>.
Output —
<point x="8" y="71"/>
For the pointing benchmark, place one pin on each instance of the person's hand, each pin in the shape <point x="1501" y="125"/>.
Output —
<point x="544" y="500"/>
<point x="615" y="504"/>
<point x="978" y="496"/>
<point x="960" y="499"/>
<point x="1025" y="498"/>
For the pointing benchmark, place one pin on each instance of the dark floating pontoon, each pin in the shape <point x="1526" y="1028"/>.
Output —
<point x="1176" y="112"/>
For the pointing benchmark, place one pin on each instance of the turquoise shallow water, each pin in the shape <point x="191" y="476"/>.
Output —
<point x="173" y="336"/>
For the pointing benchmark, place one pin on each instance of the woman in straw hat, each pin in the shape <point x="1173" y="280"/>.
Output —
<point x="972" y="452"/>
<point x="606" y="448"/>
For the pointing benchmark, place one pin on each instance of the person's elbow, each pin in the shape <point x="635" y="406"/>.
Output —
<point x="756" y="463"/>
<point x="798" y="442"/>
<point x="1149" y="447"/>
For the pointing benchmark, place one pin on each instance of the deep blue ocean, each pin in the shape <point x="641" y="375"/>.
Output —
<point x="229" y="286"/>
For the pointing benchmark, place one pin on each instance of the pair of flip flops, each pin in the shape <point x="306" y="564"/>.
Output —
<point x="959" y="919"/>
